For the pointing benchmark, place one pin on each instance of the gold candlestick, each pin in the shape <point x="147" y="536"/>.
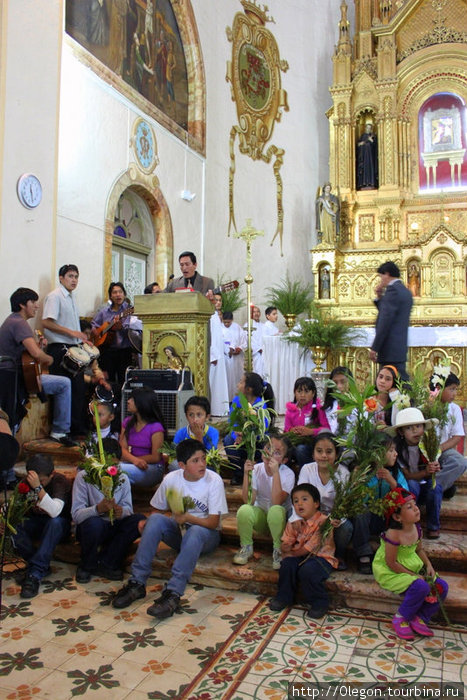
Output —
<point x="248" y="234"/>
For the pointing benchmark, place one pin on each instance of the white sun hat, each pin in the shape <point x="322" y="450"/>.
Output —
<point x="410" y="416"/>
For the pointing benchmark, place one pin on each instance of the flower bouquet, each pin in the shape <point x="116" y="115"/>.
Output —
<point x="425" y="393"/>
<point x="102" y="470"/>
<point x="251" y="422"/>
<point x="13" y="512"/>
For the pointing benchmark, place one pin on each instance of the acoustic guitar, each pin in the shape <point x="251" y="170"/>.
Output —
<point x="226" y="287"/>
<point x="103" y="335"/>
<point x="32" y="368"/>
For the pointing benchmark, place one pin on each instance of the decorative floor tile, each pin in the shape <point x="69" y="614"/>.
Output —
<point x="69" y="641"/>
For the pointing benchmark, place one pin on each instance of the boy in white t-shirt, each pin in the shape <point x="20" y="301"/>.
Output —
<point x="202" y="521"/>
<point x="452" y="463"/>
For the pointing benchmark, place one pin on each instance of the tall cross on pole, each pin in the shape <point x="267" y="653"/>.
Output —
<point x="248" y="234"/>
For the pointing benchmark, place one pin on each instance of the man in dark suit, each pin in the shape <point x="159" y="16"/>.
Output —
<point x="190" y="278"/>
<point x="394" y="303"/>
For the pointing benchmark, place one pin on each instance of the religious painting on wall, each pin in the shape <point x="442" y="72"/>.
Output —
<point x="442" y="125"/>
<point x="139" y="40"/>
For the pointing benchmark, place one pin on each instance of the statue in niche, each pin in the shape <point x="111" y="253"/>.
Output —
<point x="413" y="277"/>
<point x="324" y="282"/>
<point x="327" y="215"/>
<point x="367" y="159"/>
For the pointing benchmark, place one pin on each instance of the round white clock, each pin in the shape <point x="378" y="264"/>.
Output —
<point x="29" y="190"/>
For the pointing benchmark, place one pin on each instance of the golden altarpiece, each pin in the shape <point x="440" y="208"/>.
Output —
<point x="401" y="78"/>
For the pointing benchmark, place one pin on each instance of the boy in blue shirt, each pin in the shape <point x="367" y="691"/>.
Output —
<point x="198" y="411"/>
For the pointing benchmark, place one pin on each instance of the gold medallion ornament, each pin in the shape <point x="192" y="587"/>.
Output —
<point x="255" y="78"/>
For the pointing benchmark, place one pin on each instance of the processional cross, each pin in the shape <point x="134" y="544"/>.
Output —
<point x="248" y="234"/>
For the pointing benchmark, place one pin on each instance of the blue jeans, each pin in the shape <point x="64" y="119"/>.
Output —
<point x="50" y="531"/>
<point x="310" y="575"/>
<point x="104" y="543"/>
<point x="364" y="525"/>
<point x="453" y="465"/>
<point x="60" y="389"/>
<point x="342" y="537"/>
<point x="143" y="477"/>
<point x="431" y="497"/>
<point x="197" y="540"/>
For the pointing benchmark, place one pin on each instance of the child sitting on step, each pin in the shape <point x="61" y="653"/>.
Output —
<point x="104" y="545"/>
<point x="201" y="519"/>
<point x="269" y="506"/>
<point x="307" y="560"/>
<point x="398" y="566"/>
<point x="197" y="412"/>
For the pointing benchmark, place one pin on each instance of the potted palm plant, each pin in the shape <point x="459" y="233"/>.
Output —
<point x="291" y="298"/>
<point x="321" y="333"/>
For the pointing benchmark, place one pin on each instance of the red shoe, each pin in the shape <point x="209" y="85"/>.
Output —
<point x="420" y="627"/>
<point x="402" y="628"/>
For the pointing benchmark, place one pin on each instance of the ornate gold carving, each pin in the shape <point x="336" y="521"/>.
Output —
<point x="255" y="77"/>
<point x="440" y="33"/>
<point x="366" y="227"/>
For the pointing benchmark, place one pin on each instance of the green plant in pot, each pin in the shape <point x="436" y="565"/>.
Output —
<point x="291" y="298"/>
<point x="232" y="299"/>
<point x="321" y="333"/>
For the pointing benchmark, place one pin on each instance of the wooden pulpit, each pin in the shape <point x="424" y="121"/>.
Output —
<point x="176" y="333"/>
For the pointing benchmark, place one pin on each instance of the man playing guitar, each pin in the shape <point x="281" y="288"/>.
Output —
<point x="110" y="334"/>
<point x="16" y="337"/>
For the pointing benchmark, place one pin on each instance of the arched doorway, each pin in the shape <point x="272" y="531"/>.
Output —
<point x="139" y="247"/>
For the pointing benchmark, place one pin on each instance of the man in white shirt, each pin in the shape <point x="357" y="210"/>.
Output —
<point x="60" y="319"/>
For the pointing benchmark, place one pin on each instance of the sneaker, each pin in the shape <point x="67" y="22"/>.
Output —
<point x="364" y="566"/>
<point x="244" y="554"/>
<point x="402" y="628"/>
<point x="420" y="627"/>
<point x="108" y="573"/>
<point x="276" y="558"/>
<point x="433" y="534"/>
<point x="30" y="587"/>
<point x="128" y="594"/>
<point x="277" y="604"/>
<point x="341" y="565"/>
<point x="165" y="607"/>
<point x="450" y="492"/>
<point x="316" y="613"/>
<point x="63" y="439"/>
<point x="82" y="576"/>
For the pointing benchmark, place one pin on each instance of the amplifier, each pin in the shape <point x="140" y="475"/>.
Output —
<point x="164" y="379"/>
<point x="171" y="401"/>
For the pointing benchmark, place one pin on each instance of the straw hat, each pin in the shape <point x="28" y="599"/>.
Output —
<point x="410" y="416"/>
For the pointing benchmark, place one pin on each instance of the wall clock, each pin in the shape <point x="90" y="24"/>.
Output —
<point x="29" y="190"/>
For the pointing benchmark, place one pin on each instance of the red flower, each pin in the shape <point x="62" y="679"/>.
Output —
<point x="371" y="404"/>
<point x="112" y="470"/>
<point x="23" y="487"/>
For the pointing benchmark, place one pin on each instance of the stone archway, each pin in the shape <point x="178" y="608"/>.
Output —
<point x="147" y="187"/>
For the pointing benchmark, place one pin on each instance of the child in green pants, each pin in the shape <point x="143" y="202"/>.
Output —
<point x="272" y="482"/>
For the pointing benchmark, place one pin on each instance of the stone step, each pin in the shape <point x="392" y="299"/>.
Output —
<point x="347" y="588"/>
<point x="453" y="511"/>
<point x="449" y="553"/>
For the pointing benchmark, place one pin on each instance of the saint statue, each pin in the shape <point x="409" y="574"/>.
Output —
<point x="324" y="282"/>
<point x="414" y="279"/>
<point x="367" y="159"/>
<point x="327" y="215"/>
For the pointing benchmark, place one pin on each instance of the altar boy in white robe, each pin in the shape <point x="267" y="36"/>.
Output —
<point x="217" y="370"/>
<point x="235" y="343"/>
<point x="256" y="340"/>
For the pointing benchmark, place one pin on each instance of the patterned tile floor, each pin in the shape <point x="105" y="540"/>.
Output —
<point x="68" y="641"/>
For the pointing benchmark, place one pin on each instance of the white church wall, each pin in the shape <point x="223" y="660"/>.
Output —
<point x="305" y="31"/>
<point x="64" y="123"/>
